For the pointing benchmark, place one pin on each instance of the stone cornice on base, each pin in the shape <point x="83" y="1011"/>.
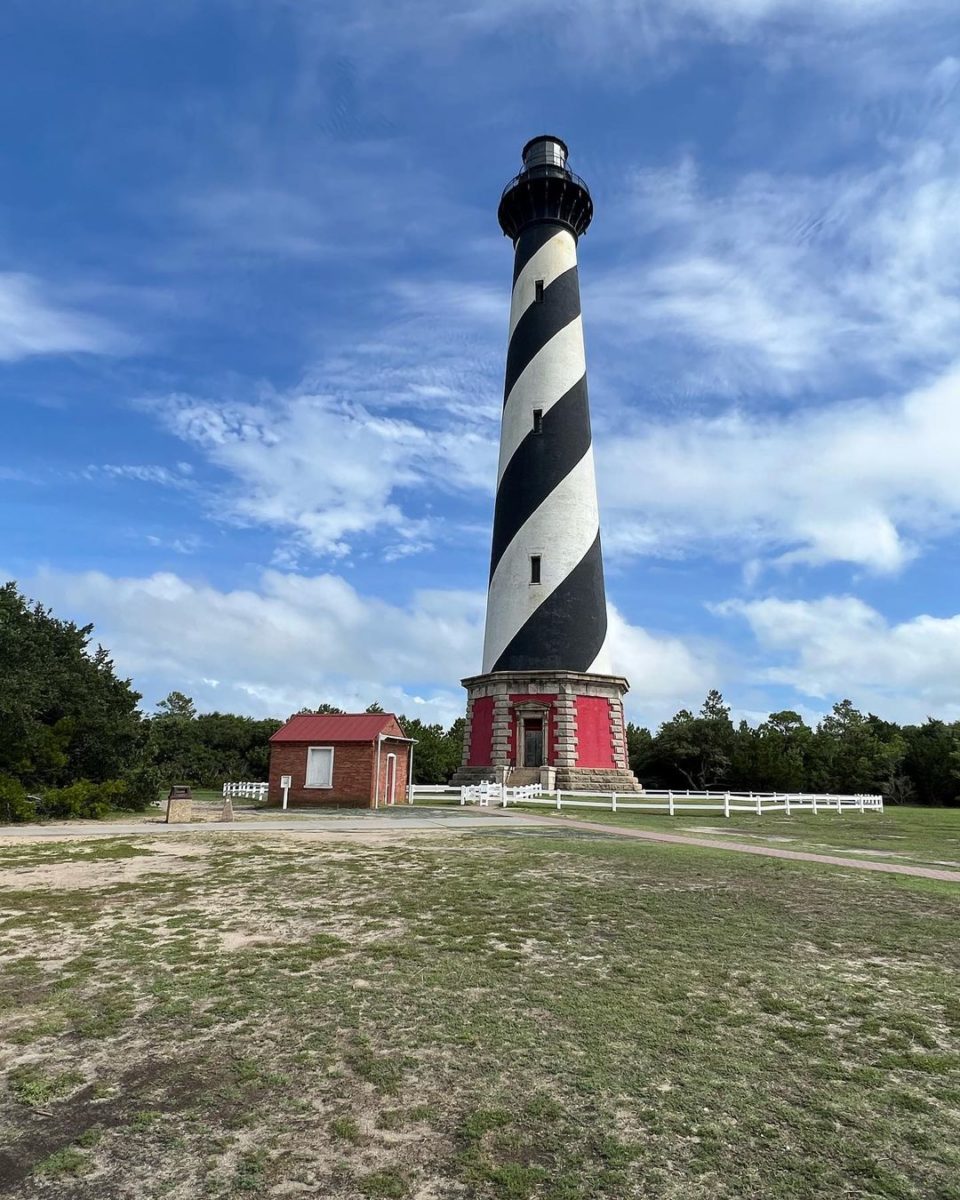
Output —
<point x="527" y="677"/>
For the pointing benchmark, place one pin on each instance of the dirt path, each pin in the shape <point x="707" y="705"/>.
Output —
<point x="425" y="821"/>
<point x="679" y="839"/>
<point x="396" y="823"/>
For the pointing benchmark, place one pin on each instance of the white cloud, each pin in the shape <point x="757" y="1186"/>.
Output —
<point x="329" y="471"/>
<point x="32" y="323"/>
<point x="814" y="289"/>
<point x="664" y="672"/>
<point x="374" y="437"/>
<point x="839" y="646"/>
<point x="290" y="640"/>
<point x="859" y="483"/>
<point x="789" y="284"/>
<point x="294" y="640"/>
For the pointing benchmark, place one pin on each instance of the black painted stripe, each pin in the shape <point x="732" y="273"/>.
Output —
<point x="539" y="464"/>
<point x="530" y="241"/>
<point x="566" y="632"/>
<point x="541" y="322"/>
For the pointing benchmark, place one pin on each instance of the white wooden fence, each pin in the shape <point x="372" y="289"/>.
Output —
<point x="251" y="791"/>
<point x="669" y="802"/>
<point x="483" y="793"/>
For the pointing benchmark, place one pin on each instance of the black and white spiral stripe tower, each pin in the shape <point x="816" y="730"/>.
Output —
<point x="546" y="697"/>
<point x="546" y="606"/>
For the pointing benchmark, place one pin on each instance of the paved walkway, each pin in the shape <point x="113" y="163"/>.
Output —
<point x="679" y="839"/>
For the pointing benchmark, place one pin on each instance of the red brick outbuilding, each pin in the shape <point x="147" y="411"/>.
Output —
<point x="354" y="760"/>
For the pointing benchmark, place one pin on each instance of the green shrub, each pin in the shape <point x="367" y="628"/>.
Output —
<point x="141" y="788"/>
<point x="81" y="799"/>
<point x="15" y="804"/>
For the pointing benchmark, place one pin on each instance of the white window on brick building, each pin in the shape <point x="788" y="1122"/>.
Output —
<point x="319" y="766"/>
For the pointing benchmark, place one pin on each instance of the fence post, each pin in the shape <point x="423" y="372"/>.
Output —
<point x="613" y="802"/>
<point x="860" y="803"/>
<point x="813" y="803"/>
<point x="759" y="808"/>
<point x="726" y="804"/>
<point x="786" y="803"/>
<point x="838" y="804"/>
<point x="670" y="803"/>
<point x="559" y="794"/>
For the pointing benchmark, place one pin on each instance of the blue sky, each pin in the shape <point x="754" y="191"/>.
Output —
<point x="253" y="312"/>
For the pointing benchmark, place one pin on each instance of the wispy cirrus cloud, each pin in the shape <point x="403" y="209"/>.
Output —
<point x="327" y="472"/>
<point x="150" y="473"/>
<point x="775" y="285"/>
<point x="373" y="438"/>
<point x="607" y="32"/>
<point x="33" y="323"/>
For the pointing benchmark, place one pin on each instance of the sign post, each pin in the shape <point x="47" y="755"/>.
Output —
<point x="285" y="782"/>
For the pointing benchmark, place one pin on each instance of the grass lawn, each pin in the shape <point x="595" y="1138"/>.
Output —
<point x="507" y="1015"/>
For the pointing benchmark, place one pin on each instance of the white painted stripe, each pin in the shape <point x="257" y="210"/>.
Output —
<point x="561" y="531"/>
<point x="554" y="257"/>
<point x="550" y="374"/>
<point x="603" y="663"/>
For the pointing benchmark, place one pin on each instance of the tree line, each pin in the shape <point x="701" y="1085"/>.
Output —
<point x="847" y="751"/>
<point x="75" y="742"/>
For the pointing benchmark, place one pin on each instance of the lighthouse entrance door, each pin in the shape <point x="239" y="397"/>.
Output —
<point x="532" y="743"/>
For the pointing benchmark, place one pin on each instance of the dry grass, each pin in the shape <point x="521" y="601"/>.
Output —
<point x="529" y="1015"/>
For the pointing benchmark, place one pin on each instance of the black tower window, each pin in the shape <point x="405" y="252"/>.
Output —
<point x="534" y="568"/>
<point x="538" y="291"/>
<point x="538" y="420"/>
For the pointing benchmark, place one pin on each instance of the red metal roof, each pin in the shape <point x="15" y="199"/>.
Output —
<point x="337" y="727"/>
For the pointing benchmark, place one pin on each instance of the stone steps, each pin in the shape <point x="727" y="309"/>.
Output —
<point x="469" y="776"/>
<point x="523" y="776"/>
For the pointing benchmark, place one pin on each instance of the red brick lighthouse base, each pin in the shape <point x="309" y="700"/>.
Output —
<point x="519" y="722"/>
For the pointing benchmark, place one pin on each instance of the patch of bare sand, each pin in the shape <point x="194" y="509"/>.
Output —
<point x="712" y="829"/>
<point x="381" y="837"/>
<point x="178" y="849"/>
<point x="74" y="876"/>
<point x="237" y="939"/>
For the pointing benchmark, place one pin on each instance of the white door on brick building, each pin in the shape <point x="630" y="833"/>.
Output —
<point x="391" y="779"/>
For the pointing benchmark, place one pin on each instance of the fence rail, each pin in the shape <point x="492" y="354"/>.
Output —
<point x="669" y="802"/>
<point x="250" y="791"/>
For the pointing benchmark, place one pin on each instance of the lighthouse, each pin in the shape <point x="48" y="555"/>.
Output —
<point x="547" y="706"/>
